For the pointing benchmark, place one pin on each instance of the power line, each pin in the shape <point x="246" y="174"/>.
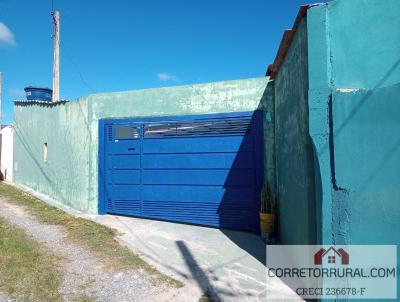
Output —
<point x="84" y="82"/>
<point x="77" y="68"/>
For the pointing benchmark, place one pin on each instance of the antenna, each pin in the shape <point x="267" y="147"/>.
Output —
<point x="56" y="62"/>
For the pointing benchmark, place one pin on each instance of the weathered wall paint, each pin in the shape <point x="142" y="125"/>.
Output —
<point x="354" y="81"/>
<point x="294" y="162"/>
<point x="367" y="161"/>
<point x="71" y="131"/>
<point x="319" y="74"/>
<point x="64" y="128"/>
<point x="267" y="104"/>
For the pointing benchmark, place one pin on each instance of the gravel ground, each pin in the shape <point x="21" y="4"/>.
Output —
<point x="4" y="298"/>
<point x="85" y="274"/>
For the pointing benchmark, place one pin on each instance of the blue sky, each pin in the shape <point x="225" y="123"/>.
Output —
<point x="123" y="45"/>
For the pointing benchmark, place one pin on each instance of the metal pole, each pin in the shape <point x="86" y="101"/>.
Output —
<point x="56" y="62"/>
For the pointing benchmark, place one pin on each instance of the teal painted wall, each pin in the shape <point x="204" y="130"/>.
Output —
<point x="293" y="149"/>
<point x="354" y="76"/>
<point x="267" y="104"/>
<point x="364" y="42"/>
<point x="64" y="128"/>
<point x="354" y="88"/>
<point x="71" y="131"/>
<point x="367" y="161"/>
<point x="319" y="92"/>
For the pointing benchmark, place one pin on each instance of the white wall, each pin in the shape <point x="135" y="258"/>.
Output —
<point x="6" y="164"/>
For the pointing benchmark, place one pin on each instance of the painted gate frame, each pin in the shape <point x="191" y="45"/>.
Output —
<point x="257" y="115"/>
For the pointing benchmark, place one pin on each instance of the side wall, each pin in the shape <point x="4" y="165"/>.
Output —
<point x="354" y="119"/>
<point x="366" y="127"/>
<point x="294" y="161"/>
<point x="267" y="105"/>
<point x="64" y="127"/>
<point x="71" y="131"/>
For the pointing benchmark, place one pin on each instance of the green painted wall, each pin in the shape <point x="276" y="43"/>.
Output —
<point x="294" y="162"/>
<point x="267" y="104"/>
<point x="64" y="128"/>
<point x="71" y="131"/>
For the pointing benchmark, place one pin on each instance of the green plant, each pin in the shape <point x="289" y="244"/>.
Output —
<point x="268" y="200"/>
<point x="206" y="297"/>
<point x="28" y="271"/>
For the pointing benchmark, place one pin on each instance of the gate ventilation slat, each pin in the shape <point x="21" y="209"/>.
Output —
<point x="200" y="128"/>
<point x="109" y="133"/>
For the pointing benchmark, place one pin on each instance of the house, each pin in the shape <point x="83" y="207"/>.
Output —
<point x="6" y="152"/>
<point x="191" y="154"/>
<point x="322" y="128"/>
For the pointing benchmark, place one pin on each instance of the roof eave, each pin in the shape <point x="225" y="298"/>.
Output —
<point x="286" y="42"/>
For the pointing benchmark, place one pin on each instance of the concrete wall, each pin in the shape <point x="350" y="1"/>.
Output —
<point x="366" y="127"/>
<point x="354" y="75"/>
<point x="7" y="153"/>
<point x="71" y="130"/>
<point x="294" y="162"/>
<point x="65" y="174"/>
<point x="364" y="41"/>
<point x="267" y="104"/>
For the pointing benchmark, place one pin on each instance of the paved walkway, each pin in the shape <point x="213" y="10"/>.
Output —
<point x="230" y="264"/>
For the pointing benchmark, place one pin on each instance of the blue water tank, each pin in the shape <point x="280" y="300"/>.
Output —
<point x="38" y="93"/>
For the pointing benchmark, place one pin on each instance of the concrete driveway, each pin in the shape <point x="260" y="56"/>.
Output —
<point x="228" y="264"/>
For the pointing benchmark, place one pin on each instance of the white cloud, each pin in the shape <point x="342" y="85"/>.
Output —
<point x="6" y="35"/>
<point x="165" y="76"/>
<point x="16" y="92"/>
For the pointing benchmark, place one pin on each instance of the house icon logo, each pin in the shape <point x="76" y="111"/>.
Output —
<point x="332" y="256"/>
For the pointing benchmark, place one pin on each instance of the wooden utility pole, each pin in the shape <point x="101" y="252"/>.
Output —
<point x="56" y="62"/>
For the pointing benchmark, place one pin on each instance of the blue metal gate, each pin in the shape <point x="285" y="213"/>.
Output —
<point x="203" y="169"/>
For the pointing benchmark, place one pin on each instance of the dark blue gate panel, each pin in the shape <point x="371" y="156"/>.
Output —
<point x="121" y="177"/>
<point x="196" y="144"/>
<point x="218" y="177"/>
<point x="123" y="162"/>
<point x="124" y="192"/>
<point x="198" y="193"/>
<point x="204" y="169"/>
<point x="127" y="207"/>
<point x="198" y="161"/>
<point x="124" y="147"/>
